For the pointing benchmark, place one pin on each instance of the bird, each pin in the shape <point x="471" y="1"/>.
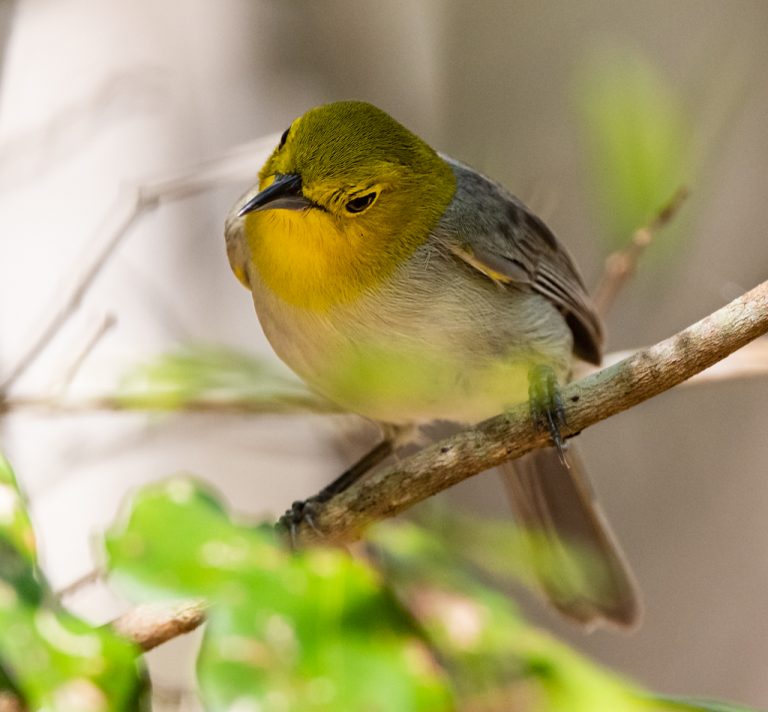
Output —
<point x="407" y="287"/>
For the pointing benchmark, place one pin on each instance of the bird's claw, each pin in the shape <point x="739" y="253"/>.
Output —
<point x="301" y="512"/>
<point x="547" y="408"/>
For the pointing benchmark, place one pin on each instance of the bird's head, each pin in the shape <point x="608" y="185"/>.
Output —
<point x="349" y="189"/>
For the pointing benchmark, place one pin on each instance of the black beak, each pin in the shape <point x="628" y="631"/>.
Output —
<point x="284" y="193"/>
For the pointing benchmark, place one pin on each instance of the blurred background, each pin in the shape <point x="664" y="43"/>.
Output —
<point x="592" y="112"/>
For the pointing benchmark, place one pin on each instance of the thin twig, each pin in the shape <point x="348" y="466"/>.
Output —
<point x="70" y="371"/>
<point x="10" y="703"/>
<point x="79" y="583"/>
<point x="119" y="220"/>
<point x="135" y="202"/>
<point x="152" y="624"/>
<point x="748" y="362"/>
<point x="621" y="265"/>
<point x="647" y="373"/>
<point x="52" y="405"/>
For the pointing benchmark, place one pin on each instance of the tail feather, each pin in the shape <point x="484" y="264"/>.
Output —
<point x="574" y="554"/>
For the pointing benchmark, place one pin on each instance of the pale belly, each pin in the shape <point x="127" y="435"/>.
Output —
<point x="421" y="355"/>
<point x="395" y="383"/>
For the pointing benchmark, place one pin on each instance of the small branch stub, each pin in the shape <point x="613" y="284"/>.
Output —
<point x="152" y="624"/>
<point x="622" y="264"/>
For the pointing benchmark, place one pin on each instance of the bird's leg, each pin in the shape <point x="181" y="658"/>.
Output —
<point x="301" y="510"/>
<point x="547" y="409"/>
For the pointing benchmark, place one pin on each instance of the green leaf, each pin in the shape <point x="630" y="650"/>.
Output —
<point x="316" y="630"/>
<point x="208" y="376"/>
<point x="323" y="635"/>
<point x="18" y="557"/>
<point x="15" y="525"/>
<point x="47" y="656"/>
<point x="177" y="541"/>
<point x="59" y="662"/>
<point x="638" y="141"/>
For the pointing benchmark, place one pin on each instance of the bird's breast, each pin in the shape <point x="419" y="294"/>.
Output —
<point x="315" y="261"/>
<point x="433" y="342"/>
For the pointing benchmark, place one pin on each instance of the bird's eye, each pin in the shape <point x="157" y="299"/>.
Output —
<point x="357" y="205"/>
<point x="283" y="138"/>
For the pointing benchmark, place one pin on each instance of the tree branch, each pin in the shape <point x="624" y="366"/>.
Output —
<point x="598" y="396"/>
<point x="647" y="373"/>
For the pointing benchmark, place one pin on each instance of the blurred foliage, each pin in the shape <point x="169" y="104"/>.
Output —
<point x="48" y="657"/>
<point x="390" y="374"/>
<point x="17" y="540"/>
<point x="312" y="631"/>
<point x="638" y="141"/>
<point x="406" y="626"/>
<point x="212" y="376"/>
<point x="200" y="377"/>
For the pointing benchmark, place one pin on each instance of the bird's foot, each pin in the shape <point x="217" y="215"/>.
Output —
<point x="301" y="512"/>
<point x="547" y="409"/>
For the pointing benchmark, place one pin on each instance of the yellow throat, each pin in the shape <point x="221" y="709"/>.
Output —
<point x="366" y="193"/>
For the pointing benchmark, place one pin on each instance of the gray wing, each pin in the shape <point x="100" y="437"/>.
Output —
<point x="495" y="233"/>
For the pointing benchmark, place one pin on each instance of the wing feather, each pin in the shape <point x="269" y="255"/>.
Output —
<point x="511" y="245"/>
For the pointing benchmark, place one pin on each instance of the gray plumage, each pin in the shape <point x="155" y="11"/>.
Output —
<point x="510" y="239"/>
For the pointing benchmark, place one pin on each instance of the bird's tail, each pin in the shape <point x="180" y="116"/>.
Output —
<point x="573" y="552"/>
